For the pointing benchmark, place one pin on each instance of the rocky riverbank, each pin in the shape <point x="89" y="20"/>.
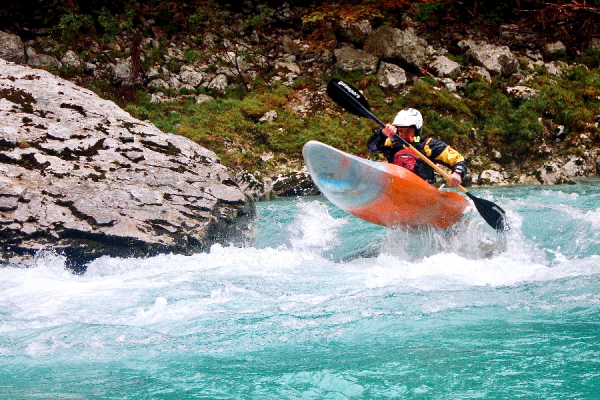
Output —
<point x="201" y="67"/>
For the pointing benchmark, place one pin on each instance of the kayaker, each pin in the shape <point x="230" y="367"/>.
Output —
<point x="408" y="125"/>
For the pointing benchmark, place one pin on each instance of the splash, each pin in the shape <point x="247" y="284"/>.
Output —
<point x="314" y="230"/>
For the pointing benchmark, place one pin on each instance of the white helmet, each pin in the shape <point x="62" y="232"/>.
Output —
<point x="409" y="117"/>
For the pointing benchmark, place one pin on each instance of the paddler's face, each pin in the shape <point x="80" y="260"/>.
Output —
<point x="405" y="132"/>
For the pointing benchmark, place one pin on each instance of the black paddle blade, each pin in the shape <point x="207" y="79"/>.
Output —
<point x="348" y="97"/>
<point x="492" y="213"/>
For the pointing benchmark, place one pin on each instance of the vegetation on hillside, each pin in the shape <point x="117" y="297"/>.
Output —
<point x="477" y="121"/>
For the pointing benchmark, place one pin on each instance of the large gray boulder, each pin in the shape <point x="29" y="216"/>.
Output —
<point x="443" y="67"/>
<point x="82" y="177"/>
<point x="12" y="48"/>
<point x="559" y="171"/>
<point x="391" y="75"/>
<point x="498" y="60"/>
<point x="392" y="44"/>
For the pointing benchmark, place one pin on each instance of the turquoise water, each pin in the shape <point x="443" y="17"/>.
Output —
<point x="325" y="306"/>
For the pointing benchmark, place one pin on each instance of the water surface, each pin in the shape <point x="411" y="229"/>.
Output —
<point x="324" y="306"/>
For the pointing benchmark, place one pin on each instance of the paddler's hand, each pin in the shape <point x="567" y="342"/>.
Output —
<point x="389" y="131"/>
<point x="454" y="180"/>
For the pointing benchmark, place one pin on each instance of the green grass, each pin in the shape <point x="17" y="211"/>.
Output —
<point x="231" y="125"/>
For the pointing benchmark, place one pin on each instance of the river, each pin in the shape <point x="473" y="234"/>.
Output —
<point x="325" y="306"/>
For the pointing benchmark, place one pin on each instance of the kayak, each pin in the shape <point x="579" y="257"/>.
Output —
<point x="380" y="192"/>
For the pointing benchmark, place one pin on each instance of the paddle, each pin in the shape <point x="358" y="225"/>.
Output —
<point x="350" y="98"/>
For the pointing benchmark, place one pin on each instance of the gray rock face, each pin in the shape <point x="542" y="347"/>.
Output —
<point x="490" y="177"/>
<point x="122" y="70"/>
<point x="71" y="59"/>
<point x="498" y="60"/>
<point x="219" y="83"/>
<point x="81" y="176"/>
<point x="443" y="67"/>
<point x="12" y="48"/>
<point x="350" y="59"/>
<point x="391" y="75"/>
<point x="561" y="172"/>
<point x="392" y="44"/>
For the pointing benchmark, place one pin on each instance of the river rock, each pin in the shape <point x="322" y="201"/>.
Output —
<point x="490" y="177"/>
<point x="561" y="172"/>
<point x="82" y="177"/>
<point x="255" y="185"/>
<point x="294" y="183"/>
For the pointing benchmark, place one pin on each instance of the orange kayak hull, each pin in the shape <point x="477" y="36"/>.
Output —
<point x="378" y="192"/>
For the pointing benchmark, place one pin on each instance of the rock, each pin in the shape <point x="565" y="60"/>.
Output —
<point x="190" y="77"/>
<point x="521" y="93"/>
<point x="392" y="44"/>
<point x="551" y="49"/>
<point x="482" y="73"/>
<point x="560" y="172"/>
<point x="350" y="59"/>
<point x="294" y="183"/>
<point x="555" y="67"/>
<point x="534" y="55"/>
<point x="43" y="61"/>
<point x="498" y="60"/>
<point x="82" y="177"/>
<point x="158" y="83"/>
<point x="219" y="83"/>
<point x="153" y="73"/>
<point x="443" y="67"/>
<point x="490" y="177"/>
<point x="122" y="71"/>
<point x="255" y="186"/>
<point x="528" y="180"/>
<point x="449" y="84"/>
<point x="12" y="48"/>
<point x="516" y="78"/>
<point x="174" y="82"/>
<point x="71" y="59"/>
<point x="391" y="75"/>
<point x="288" y="67"/>
<point x="269" y="116"/>
<point x="201" y="98"/>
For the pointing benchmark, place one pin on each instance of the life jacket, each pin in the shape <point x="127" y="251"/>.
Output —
<point x="406" y="159"/>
